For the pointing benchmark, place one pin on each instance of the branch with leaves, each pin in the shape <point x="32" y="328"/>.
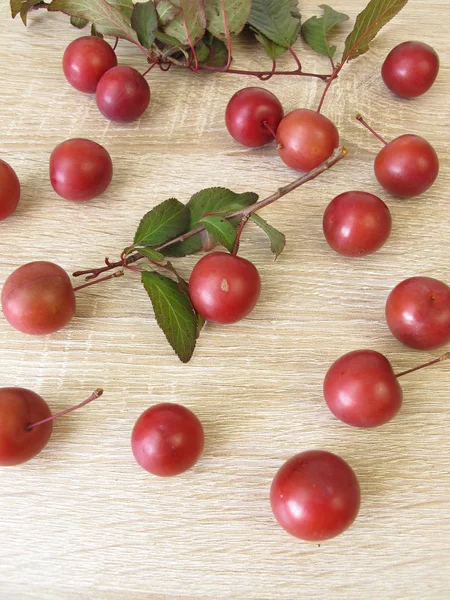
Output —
<point x="197" y="34"/>
<point x="173" y="229"/>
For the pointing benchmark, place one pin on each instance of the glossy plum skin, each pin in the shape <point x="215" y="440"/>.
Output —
<point x="224" y="288"/>
<point x="38" y="298"/>
<point x="123" y="94"/>
<point x="410" y="69"/>
<point x="9" y="190"/>
<point x="306" y="139"/>
<point x="248" y="111"/>
<point x="407" y="166"/>
<point x="360" y="389"/>
<point x="418" y="313"/>
<point x="315" y="495"/>
<point x="86" y="60"/>
<point x="19" y="408"/>
<point x="167" y="439"/>
<point x="356" y="223"/>
<point x="80" y="169"/>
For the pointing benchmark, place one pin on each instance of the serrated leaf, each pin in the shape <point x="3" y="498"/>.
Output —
<point x="23" y="7"/>
<point x="277" y="239"/>
<point x="166" y="11"/>
<point x="151" y="254"/>
<point x="208" y="201"/>
<point x="211" y="51"/>
<point x="110" y="18"/>
<point x="279" y="20"/>
<point x="272" y="49"/>
<point x="236" y="13"/>
<point x="315" y="30"/>
<point x="144" y="21"/>
<point x="162" y="223"/>
<point x="368" y="23"/>
<point x="188" y="27"/>
<point x="174" y="313"/>
<point x="78" y="23"/>
<point x="221" y="229"/>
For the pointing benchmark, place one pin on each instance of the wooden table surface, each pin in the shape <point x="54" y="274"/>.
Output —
<point x="82" y="520"/>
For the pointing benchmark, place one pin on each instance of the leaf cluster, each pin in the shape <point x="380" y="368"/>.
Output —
<point x="200" y="31"/>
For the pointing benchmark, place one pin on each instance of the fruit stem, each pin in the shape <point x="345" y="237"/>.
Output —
<point x="445" y="356"/>
<point x="85" y="285"/>
<point x="330" y="80"/>
<point x="372" y="131"/>
<point x="93" y="396"/>
<point x="270" y="130"/>
<point x="338" y="155"/>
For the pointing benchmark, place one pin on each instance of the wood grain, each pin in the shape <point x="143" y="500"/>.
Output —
<point x="83" y="520"/>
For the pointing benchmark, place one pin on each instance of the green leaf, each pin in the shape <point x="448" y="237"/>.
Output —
<point x="277" y="239"/>
<point x="206" y="201"/>
<point x="188" y="27"/>
<point x="23" y="7"/>
<point x="368" y="23"/>
<point x="166" y="39"/>
<point x="236" y="13"/>
<point x="162" y="223"/>
<point x="279" y="20"/>
<point x="272" y="49"/>
<point x="221" y="229"/>
<point x="211" y="51"/>
<point x="78" y="23"/>
<point x="144" y="21"/>
<point x="174" y="313"/>
<point x="94" y="32"/>
<point x="166" y="11"/>
<point x="110" y="18"/>
<point x="315" y="29"/>
<point x="152" y="254"/>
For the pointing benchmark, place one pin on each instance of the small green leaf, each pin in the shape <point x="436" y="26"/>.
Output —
<point x="174" y="313"/>
<point x="210" y="200"/>
<point x="221" y="229"/>
<point x="152" y="254"/>
<point x="200" y="324"/>
<point x="211" y="51"/>
<point x="279" y="20"/>
<point x="272" y="49"/>
<point x="166" y="12"/>
<point x="368" y="23"/>
<point x="166" y="39"/>
<point x="315" y="29"/>
<point x="110" y="18"/>
<point x="277" y="239"/>
<point x="162" y="223"/>
<point x="188" y="27"/>
<point x="94" y="32"/>
<point x="78" y="23"/>
<point x="23" y="7"/>
<point x="144" y="21"/>
<point x="236" y="13"/>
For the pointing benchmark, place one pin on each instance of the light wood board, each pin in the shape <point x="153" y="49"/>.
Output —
<point x="82" y="520"/>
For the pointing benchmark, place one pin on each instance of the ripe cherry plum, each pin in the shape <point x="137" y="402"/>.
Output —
<point x="224" y="288"/>
<point x="19" y="408"/>
<point x="251" y="115"/>
<point x="167" y="439"/>
<point x="306" y="139"/>
<point x="38" y="298"/>
<point x="9" y="190"/>
<point x="122" y="94"/>
<point x="418" y="313"/>
<point x="356" y="223"/>
<point x="80" y="169"/>
<point x="315" y="495"/>
<point x="410" y="69"/>
<point x="86" y="60"/>
<point x="407" y="166"/>
<point x="360" y="389"/>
